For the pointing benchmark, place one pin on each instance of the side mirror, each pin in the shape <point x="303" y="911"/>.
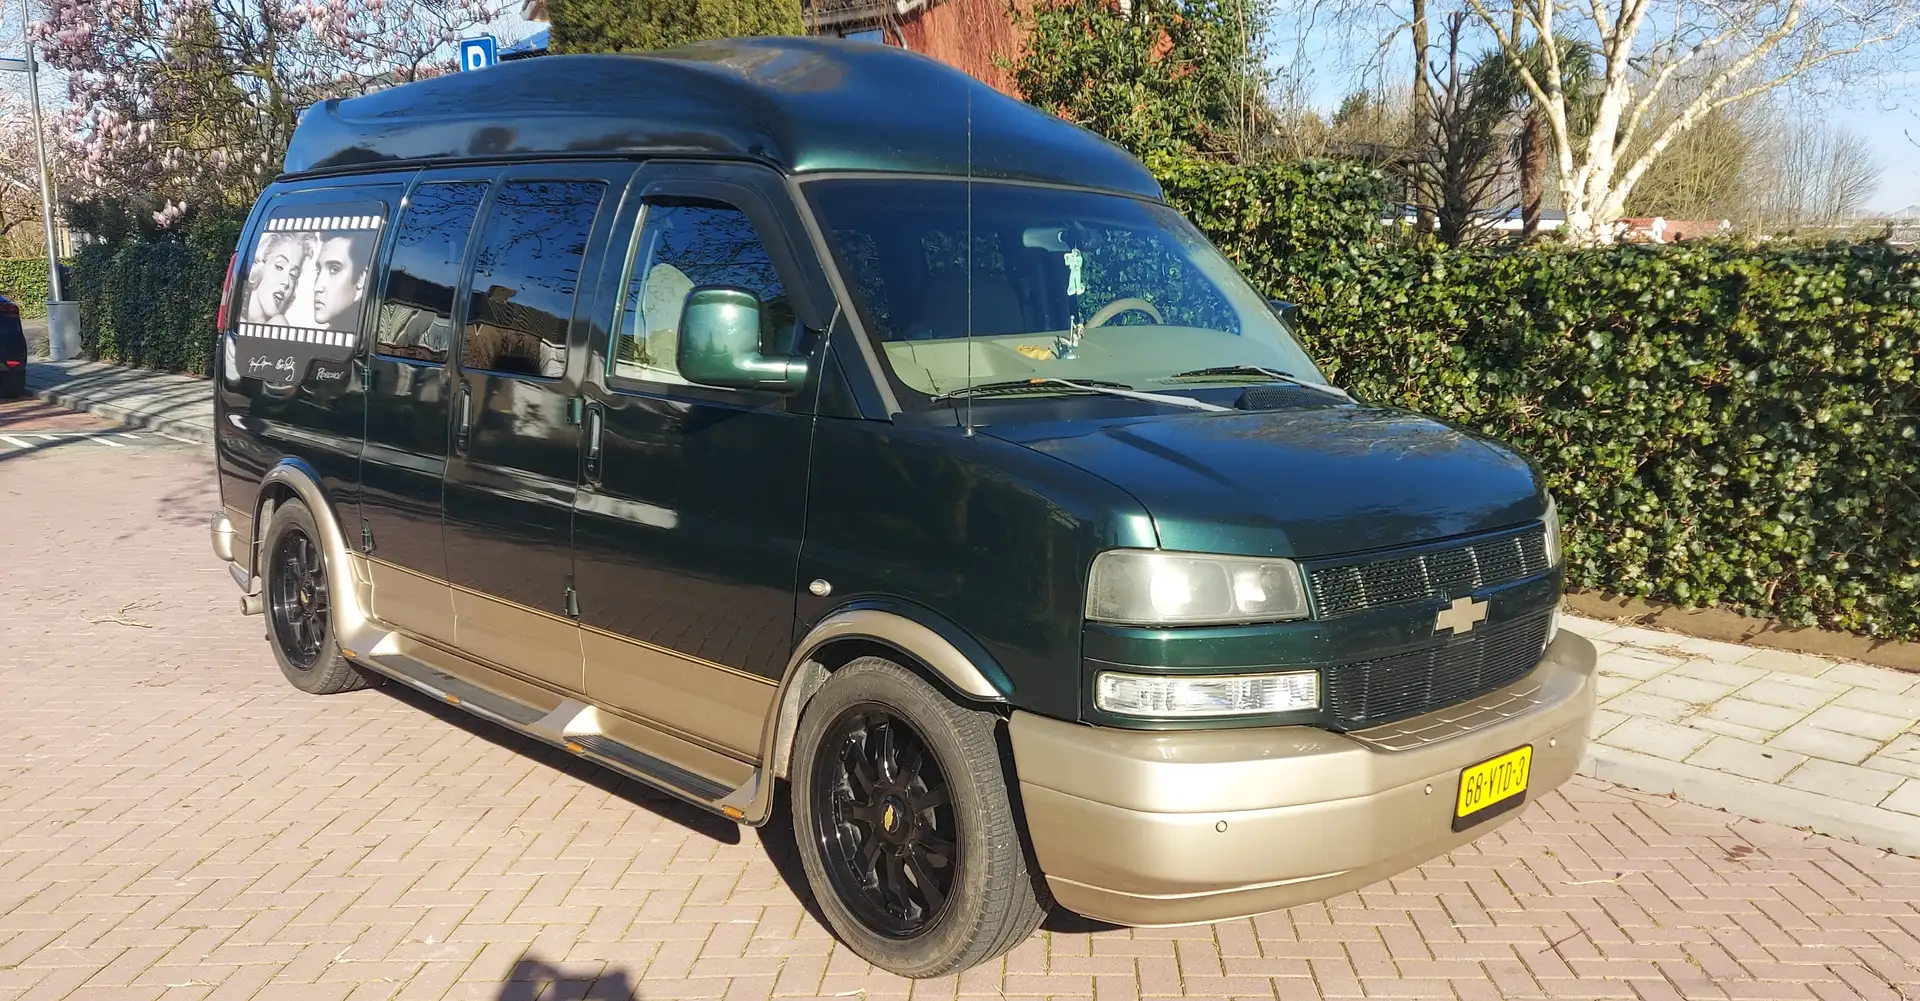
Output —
<point x="1289" y="313"/>
<point x="720" y="344"/>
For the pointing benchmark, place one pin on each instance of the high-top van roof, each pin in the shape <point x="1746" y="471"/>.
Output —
<point x="804" y="105"/>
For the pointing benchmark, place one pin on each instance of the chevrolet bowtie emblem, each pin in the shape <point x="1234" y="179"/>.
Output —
<point x="1461" y="616"/>
<point x="886" y="819"/>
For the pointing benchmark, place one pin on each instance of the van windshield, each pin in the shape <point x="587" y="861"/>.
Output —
<point x="1064" y="284"/>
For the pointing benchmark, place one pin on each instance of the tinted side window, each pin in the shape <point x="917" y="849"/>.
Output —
<point x="525" y="275"/>
<point x="684" y="245"/>
<point x="416" y="312"/>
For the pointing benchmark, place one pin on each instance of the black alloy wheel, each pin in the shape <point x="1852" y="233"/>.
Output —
<point x="886" y="821"/>
<point x="297" y="598"/>
<point x="902" y="815"/>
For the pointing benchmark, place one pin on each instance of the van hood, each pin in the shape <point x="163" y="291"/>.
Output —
<point x="1302" y="482"/>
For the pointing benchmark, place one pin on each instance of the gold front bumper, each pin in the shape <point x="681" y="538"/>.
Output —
<point x="1180" y="827"/>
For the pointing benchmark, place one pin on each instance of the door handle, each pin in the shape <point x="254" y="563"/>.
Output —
<point x="463" y="434"/>
<point x="596" y="425"/>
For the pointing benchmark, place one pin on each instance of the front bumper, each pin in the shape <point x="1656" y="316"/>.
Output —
<point x="1167" y="828"/>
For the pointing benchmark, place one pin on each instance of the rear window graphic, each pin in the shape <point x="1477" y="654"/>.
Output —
<point x="306" y="284"/>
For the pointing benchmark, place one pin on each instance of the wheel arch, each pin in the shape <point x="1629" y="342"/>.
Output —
<point x="292" y="478"/>
<point x="918" y="638"/>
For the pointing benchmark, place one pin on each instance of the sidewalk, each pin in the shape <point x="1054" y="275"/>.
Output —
<point x="1766" y="734"/>
<point x="180" y="405"/>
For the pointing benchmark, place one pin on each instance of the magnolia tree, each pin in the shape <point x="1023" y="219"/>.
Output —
<point x="19" y="181"/>
<point x="191" y="102"/>
<point x="1718" y="52"/>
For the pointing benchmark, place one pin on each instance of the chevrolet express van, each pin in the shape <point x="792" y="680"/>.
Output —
<point x="801" y="420"/>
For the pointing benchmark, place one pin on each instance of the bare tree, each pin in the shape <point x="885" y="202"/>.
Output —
<point x="1813" y="173"/>
<point x="1747" y="47"/>
<point x="1714" y="170"/>
<point x="1462" y="159"/>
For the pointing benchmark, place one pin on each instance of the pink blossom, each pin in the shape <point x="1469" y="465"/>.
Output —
<point x="136" y="124"/>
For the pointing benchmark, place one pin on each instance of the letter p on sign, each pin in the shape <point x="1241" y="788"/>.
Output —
<point x="478" y="53"/>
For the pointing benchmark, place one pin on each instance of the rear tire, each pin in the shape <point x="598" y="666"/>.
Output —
<point x="904" y="824"/>
<point x="298" y="605"/>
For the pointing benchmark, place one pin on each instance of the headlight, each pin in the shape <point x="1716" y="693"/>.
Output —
<point x="1217" y="695"/>
<point x="1146" y="588"/>
<point x="1552" y="520"/>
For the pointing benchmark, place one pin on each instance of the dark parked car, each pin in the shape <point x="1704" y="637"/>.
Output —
<point x="13" y="351"/>
<point x="796" y="419"/>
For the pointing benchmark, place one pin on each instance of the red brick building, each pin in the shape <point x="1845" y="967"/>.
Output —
<point x="972" y="35"/>
<point x="967" y="34"/>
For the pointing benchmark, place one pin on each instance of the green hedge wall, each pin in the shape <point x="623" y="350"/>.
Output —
<point x="24" y="280"/>
<point x="152" y="304"/>
<point x="1722" y="424"/>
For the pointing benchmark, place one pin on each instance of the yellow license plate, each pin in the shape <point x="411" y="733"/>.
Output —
<point x="1492" y="786"/>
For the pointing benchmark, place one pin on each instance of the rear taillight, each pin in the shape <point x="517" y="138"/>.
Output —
<point x="9" y="309"/>
<point x="226" y="296"/>
<point x="13" y="363"/>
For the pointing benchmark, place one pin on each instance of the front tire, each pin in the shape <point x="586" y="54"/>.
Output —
<point x="904" y="824"/>
<point x="299" y="606"/>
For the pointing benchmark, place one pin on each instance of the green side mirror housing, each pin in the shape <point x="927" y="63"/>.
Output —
<point x="720" y="344"/>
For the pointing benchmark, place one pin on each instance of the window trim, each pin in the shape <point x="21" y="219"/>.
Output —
<point x="709" y="182"/>
<point x="632" y="385"/>
<point x="608" y="187"/>
<point x="385" y="260"/>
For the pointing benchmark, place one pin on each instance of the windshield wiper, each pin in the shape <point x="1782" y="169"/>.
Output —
<point x="1119" y="389"/>
<point x="1286" y="377"/>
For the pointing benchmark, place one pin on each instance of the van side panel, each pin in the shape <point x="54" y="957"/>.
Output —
<point x="409" y="404"/>
<point x="995" y="537"/>
<point x="290" y="365"/>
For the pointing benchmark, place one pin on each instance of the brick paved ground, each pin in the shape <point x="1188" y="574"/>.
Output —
<point x="31" y="414"/>
<point x="176" y="822"/>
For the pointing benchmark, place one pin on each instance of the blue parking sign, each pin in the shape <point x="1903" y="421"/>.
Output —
<point x="478" y="53"/>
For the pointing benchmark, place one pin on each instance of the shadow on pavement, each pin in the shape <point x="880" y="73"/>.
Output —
<point x="532" y="979"/>
<point x="778" y="841"/>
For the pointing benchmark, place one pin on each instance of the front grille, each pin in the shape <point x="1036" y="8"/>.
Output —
<point x="1441" y="574"/>
<point x="1372" y="692"/>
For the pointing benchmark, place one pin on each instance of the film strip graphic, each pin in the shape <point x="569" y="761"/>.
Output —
<point x="300" y="335"/>
<point x="313" y="222"/>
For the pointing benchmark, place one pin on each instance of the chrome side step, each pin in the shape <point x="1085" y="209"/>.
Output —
<point x="658" y="772"/>
<point x="572" y="725"/>
<point x="453" y="691"/>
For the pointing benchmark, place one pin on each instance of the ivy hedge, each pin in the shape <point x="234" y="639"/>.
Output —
<point x="151" y="303"/>
<point x="24" y="280"/>
<point x="1722" y="424"/>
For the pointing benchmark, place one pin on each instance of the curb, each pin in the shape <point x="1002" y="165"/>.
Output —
<point x="1732" y="627"/>
<point x="1868" y="826"/>
<point x="131" y="416"/>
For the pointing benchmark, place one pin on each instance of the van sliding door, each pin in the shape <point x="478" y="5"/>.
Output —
<point x="515" y="455"/>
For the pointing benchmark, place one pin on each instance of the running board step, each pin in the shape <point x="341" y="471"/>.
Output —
<point x="452" y="690"/>
<point x="650" y="768"/>
<point x="575" y="726"/>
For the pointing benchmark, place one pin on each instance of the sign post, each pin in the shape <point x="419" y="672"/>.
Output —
<point x="478" y="53"/>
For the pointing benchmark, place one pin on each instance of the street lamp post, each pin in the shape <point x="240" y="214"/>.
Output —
<point x="60" y="335"/>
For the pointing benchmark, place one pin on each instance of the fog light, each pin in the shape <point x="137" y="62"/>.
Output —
<point x="1215" y="695"/>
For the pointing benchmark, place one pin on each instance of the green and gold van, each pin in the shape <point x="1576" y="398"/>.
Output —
<point x="799" y="420"/>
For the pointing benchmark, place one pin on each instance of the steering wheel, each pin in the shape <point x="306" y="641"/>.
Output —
<point x="1118" y="306"/>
